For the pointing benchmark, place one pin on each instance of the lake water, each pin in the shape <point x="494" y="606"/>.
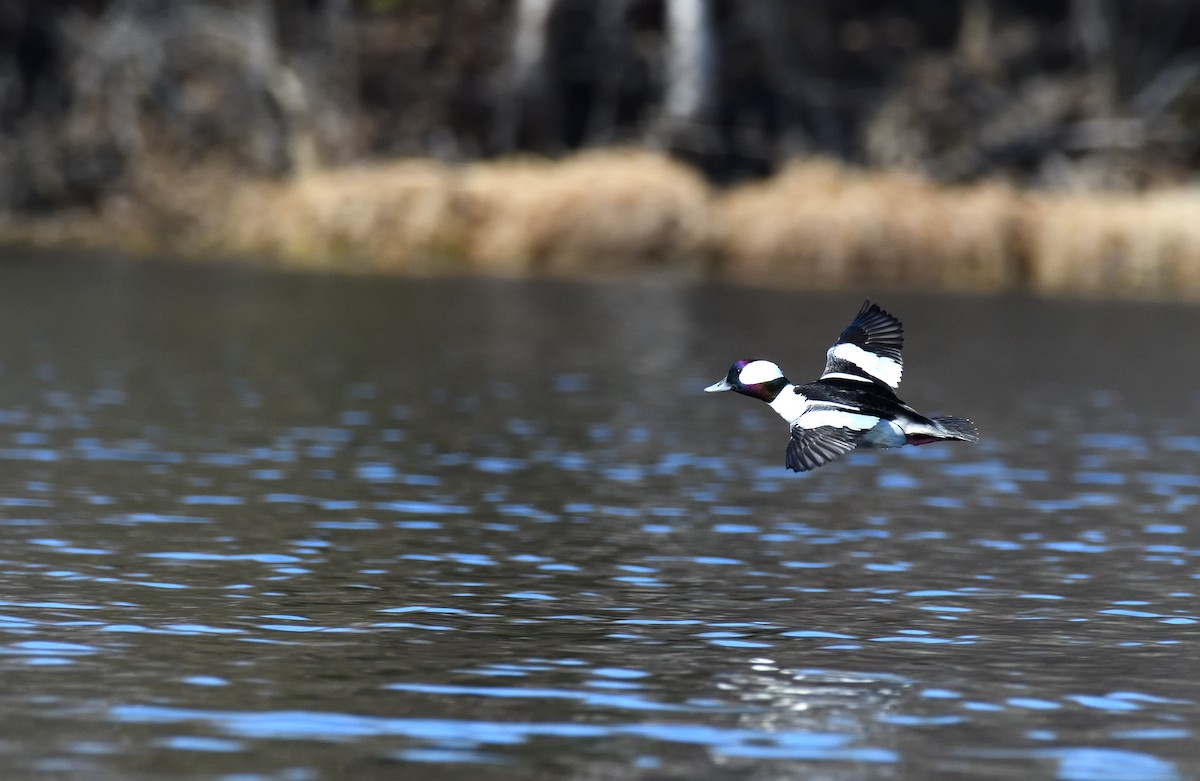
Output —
<point x="265" y="526"/>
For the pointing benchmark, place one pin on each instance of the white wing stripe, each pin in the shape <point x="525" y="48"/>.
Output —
<point x="886" y="369"/>
<point x="837" y="419"/>
<point x="843" y="376"/>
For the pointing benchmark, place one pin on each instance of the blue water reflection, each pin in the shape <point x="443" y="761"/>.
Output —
<point x="483" y="550"/>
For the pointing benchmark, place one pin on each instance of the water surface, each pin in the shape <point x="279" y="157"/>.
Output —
<point x="267" y="526"/>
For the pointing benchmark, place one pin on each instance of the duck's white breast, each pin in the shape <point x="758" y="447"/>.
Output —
<point x="789" y="404"/>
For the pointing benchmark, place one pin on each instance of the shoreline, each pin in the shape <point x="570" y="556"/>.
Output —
<point x="816" y="224"/>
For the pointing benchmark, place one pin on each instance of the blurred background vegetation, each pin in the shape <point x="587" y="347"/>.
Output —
<point x="962" y="144"/>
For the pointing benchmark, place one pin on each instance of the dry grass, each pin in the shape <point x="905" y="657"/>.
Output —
<point x="395" y="215"/>
<point x="815" y="224"/>
<point x="824" y="225"/>
<point x="1129" y="245"/>
<point x="613" y="209"/>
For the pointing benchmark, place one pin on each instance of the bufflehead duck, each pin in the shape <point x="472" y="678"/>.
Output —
<point x="854" y="403"/>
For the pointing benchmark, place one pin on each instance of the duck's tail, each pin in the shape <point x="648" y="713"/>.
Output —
<point x="957" y="428"/>
<point x="940" y="430"/>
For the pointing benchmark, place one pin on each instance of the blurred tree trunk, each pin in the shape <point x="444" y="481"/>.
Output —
<point x="975" y="32"/>
<point x="333" y="71"/>
<point x="691" y="61"/>
<point x="790" y="86"/>
<point x="1093" y="27"/>
<point x="523" y="94"/>
<point x="612" y="46"/>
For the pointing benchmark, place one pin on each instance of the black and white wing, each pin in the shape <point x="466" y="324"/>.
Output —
<point x="868" y="349"/>
<point x="812" y="447"/>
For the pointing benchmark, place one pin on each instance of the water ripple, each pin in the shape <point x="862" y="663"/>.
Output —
<point x="312" y="725"/>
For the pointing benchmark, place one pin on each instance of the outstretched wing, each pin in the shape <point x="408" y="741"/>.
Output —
<point x="868" y="349"/>
<point x="812" y="447"/>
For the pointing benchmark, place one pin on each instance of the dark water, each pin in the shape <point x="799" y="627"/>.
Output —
<point x="302" y="527"/>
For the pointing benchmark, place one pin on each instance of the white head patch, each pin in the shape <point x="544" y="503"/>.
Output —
<point x="757" y="372"/>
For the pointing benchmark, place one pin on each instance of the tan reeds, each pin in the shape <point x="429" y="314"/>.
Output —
<point x="617" y="209"/>
<point x="393" y="215"/>
<point x="824" y="225"/>
<point x="1128" y="244"/>
<point x="607" y="209"/>
<point x="815" y="224"/>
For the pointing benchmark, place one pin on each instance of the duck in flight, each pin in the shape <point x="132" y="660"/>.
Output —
<point x="853" y="404"/>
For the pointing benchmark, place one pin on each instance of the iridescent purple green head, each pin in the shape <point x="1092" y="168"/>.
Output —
<point x="757" y="378"/>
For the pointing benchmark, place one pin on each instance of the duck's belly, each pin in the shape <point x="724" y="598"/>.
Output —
<point x="885" y="433"/>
